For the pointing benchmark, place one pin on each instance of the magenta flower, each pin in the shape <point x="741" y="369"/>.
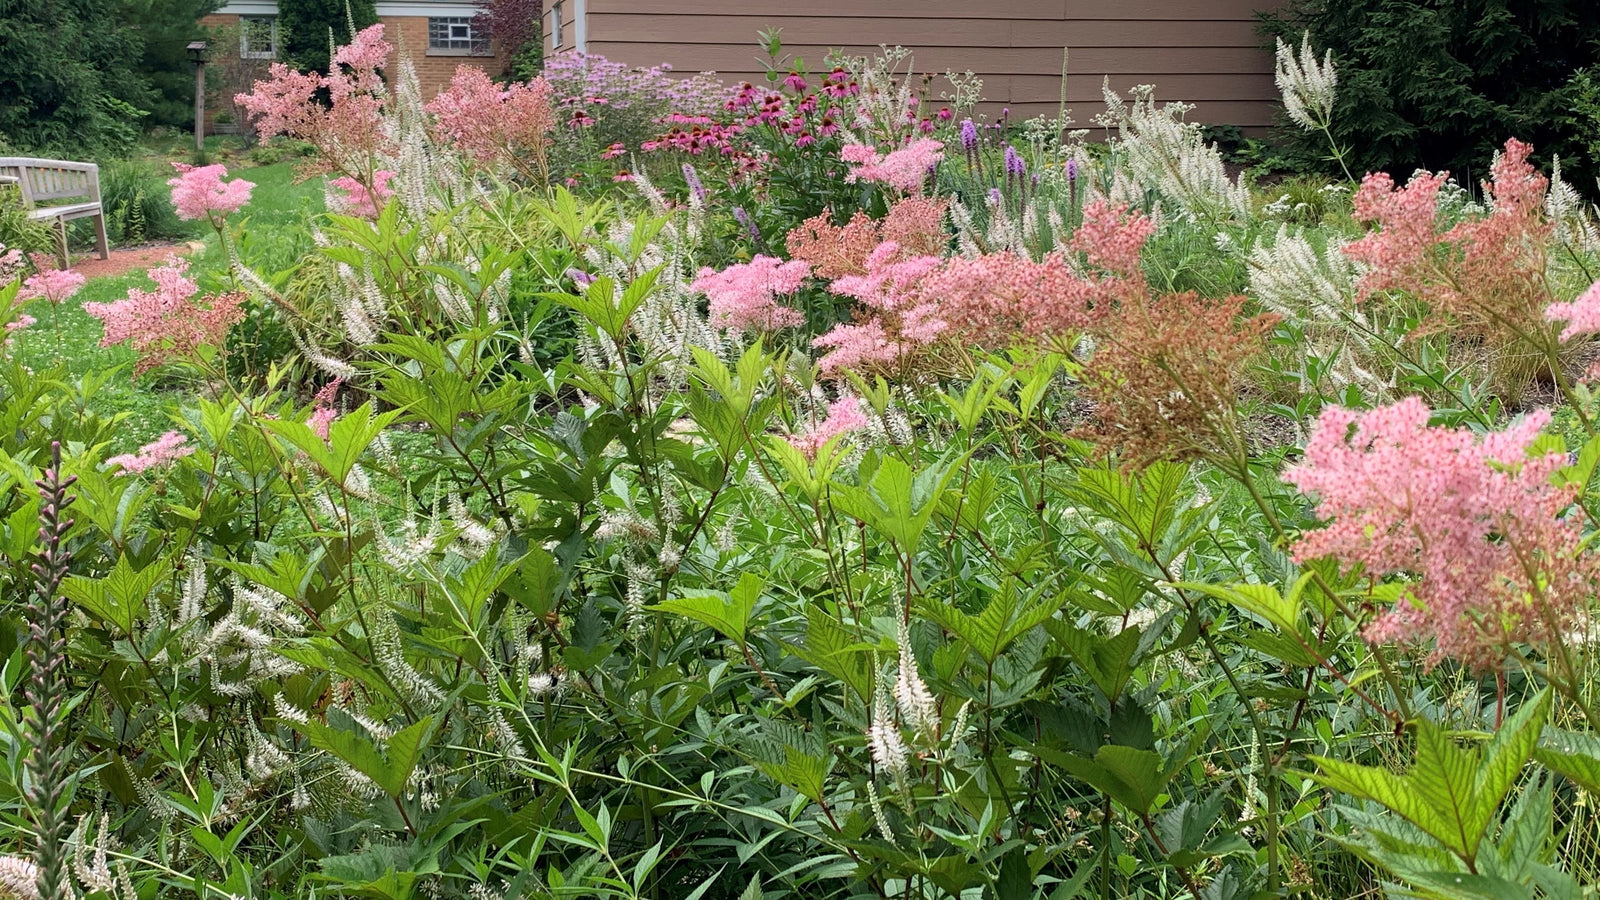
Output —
<point x="54" y="285"/>
<point x="200" y="193"/>
<point x="163" y="451"/>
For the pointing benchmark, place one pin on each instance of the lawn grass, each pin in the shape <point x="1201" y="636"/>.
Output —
<point x="65" y="344"/>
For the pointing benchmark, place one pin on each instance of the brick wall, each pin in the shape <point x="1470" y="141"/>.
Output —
<point x="409" y="34"/>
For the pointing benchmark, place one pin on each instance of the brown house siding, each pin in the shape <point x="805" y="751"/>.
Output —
<point x="1205" y="52"/>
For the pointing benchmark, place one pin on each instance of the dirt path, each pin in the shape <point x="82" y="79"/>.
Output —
<point x="128" y="260"/>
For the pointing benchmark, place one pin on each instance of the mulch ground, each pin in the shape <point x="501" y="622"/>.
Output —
<point x="145" y="256"/>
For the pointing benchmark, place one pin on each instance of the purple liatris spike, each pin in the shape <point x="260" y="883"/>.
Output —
<point x="1014" y="162"/>
<point x="969" y="135"/>
<point x="994" y="196"/>
<point x="692" y="178"/>
<point x="1072" y="170"/>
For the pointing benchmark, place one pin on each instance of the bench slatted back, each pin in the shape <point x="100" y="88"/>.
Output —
<point x="52" y="179"/>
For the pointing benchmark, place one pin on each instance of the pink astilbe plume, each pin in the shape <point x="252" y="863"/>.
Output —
<point x="915" y="224"/>
<point x="1001" y="300"/>
<point x="1407" y="231"/>
<point x="498" y="128"/>
<point x="53" y="285"/>
<point x="352" y="198"/>
<point x="744" y="296"/>
<point x="170" y="322"/>
<point x="163" y="451"/>
<point x="1581" y="315"/>
<point x="904" y="169"/>
<point x="1112" y="237"/>
<point x="200" y="193"/>
<point x="844" y="417"/>
<point x="1473" y="520"/>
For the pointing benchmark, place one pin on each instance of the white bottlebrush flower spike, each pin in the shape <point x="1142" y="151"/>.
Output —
<point x="1309" y="87"/>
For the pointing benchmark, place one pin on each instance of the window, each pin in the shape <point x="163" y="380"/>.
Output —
<point x="456" y="36"/>
<point x="258" y="37"/>
<point x="555" y="25"/>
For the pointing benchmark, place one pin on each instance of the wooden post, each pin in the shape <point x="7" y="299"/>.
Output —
<point x="197" y="53"/>
<point x="199" y="106"/>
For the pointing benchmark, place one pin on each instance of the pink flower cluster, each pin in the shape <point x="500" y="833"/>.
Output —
<point x="844" y="417"/>
<point x="1474" y="520"/>
<point x="1485" y="273"/>
<point x="323" y="412"/>
<point x="350" y="133"/>
<point x="163" y="451"/>
<point x="499" y="128"/>
<point x="352" y="198"/>
<point x="743" y="296"/>
<point x="200" y="193"/>
<point x="54" y="285"/>
<point x="169" y="322"/>
<point x="904" y="169"/>
<point x="1581" y="315"/>
<point x="899" y="317"/>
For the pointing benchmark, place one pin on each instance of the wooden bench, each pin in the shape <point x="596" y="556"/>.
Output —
<point x="45" y="180"/>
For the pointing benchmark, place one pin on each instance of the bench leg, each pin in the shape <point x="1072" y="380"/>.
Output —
<point x="101" y="244"/>
<point x="61" y="244"/>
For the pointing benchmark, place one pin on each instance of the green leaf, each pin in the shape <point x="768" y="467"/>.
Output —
<point x="391" y="773"/>
<point x="728" y="613"/>
<point x="1572" y="755"/>
<point x="1451" y="793"/>
<point x="121" y="597"/>
<point x="1133" y="778"/>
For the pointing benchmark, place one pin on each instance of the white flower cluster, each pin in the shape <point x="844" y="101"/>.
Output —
<point x="1309" y="87"/>
<point x="1164" y="153"/>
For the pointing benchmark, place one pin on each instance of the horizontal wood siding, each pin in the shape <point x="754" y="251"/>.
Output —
<point x="1205" y="52"/>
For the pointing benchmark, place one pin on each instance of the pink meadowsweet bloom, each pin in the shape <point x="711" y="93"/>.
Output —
<point x="54" y="285"/>
<point x="1407" y="229"/>
<point x="200" y="193"/>
<point x="496" y="128"/>
<point x="353" y="199"/>
<point x="901" y="315"/>
<point x="1004" y="299"/>
<point x="1473" y="519"/>
<point x="1581" y="315"/>
<point x="350" y="133"/>
<point x="743" y="296"/>
<point x="21" y="323"/>
<point x="170" y="322"/>
<point x="1112" y="238"/>
<point x="323" y="412"/>
<point x="366" y="51"/>
<point x="163" y="451"/>
<point x="904" y="169"/>
<point x="844" y="416"/>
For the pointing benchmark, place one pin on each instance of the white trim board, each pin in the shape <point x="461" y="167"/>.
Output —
<point x="386" y="8"/>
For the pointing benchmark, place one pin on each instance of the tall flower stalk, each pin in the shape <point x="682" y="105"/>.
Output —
<point x="46" y="692"/>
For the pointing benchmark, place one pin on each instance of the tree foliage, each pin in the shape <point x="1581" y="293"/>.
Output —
<point x="1441" y="83"/>
<point x="307" y="29"/>
<point x="69" y="76"/>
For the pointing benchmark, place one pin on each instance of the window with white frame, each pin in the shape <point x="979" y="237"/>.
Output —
<point x="555" y="25"/>
<point x="456" y="35"/>
<point x="258" y="37"/>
